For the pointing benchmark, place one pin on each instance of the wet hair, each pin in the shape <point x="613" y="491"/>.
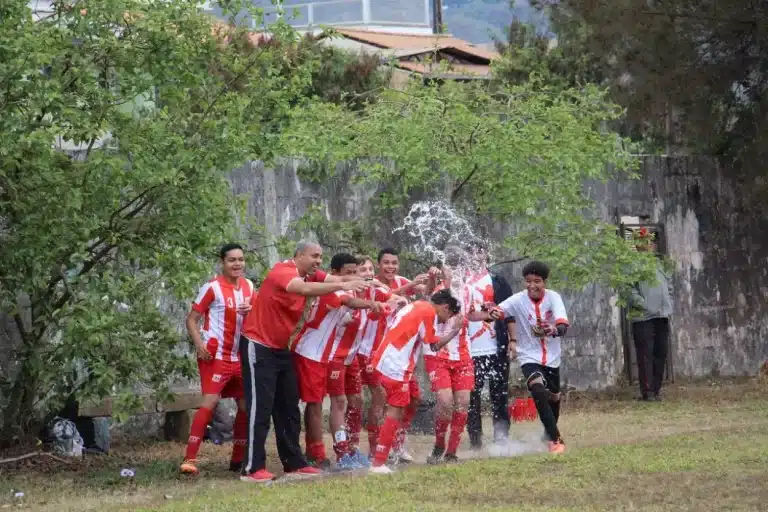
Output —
<point x="339" y="260"/>
<point x="363" y="259"/>
<point x="536" y="268"/>
<point x="229" y="247"/>
<point x="385" y="251"/>
<point x="445" y="297"/>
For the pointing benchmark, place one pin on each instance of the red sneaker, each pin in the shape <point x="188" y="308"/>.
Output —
<point x="305" y="472"/>
<point x="258" y="477"/>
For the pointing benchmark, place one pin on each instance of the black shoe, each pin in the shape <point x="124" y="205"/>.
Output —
<point x="236" y="467"/>
<point x="437" y="454"/>
<point x="476" y="447"/>
<point x="451" y="458"/>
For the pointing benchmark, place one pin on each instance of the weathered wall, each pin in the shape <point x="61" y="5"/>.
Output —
<point x="721" y="281"/>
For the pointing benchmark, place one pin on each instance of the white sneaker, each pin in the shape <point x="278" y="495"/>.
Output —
<point x="380" y="470"/>
<point x="404" y="456"/>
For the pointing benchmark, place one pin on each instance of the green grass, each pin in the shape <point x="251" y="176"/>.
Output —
<point x="705" y="448"/>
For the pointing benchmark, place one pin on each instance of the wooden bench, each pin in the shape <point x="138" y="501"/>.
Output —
<point x="177" y="420"/>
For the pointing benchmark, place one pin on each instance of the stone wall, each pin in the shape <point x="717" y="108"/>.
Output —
<point x="721" y="278"/>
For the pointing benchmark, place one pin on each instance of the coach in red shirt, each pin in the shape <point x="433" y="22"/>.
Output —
<point x="271" y="391"/>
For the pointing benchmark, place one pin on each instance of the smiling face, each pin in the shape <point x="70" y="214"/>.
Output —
<point x="233" y="264"/>
<point x="309" y="259"/>
<point x="535" y="286"/>
<point x="366" y="270"/>
<point x="389" y="266"/>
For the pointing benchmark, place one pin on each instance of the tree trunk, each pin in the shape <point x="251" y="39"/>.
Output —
<point x="19" y="416"/>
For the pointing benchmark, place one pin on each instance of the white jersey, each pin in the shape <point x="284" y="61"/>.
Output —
<point x="531" y="349"/>
<point x="482" y="336"/>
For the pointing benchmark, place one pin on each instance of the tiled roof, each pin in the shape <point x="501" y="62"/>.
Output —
<point x="456" y="70"/>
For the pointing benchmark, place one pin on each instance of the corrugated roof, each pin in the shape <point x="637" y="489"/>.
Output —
<point x="400" y="41"/>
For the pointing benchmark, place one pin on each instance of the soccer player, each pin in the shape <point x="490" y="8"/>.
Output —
<point x="319" y="360"/>
<point x="222" y="303"/>
<point x="271" y="391"/>
<point x="396" y="358"/>
<point x="350" y="333"/>
<point x="389" y="266"/>
<point x="537" y="320"/>
<point x="451" y="370"/>
<point x="371" y="335"/>
<point x="488" y="346"/>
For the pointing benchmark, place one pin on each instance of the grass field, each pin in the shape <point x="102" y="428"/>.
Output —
<point x="704" y="448"/>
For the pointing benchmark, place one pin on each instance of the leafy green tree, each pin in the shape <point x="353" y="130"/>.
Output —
<point x="158" y="105"/>
<point x="693" y="76"/>
<point x="519" y="154"/>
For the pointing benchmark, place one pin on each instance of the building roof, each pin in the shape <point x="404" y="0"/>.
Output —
<point x="418" y="43"/>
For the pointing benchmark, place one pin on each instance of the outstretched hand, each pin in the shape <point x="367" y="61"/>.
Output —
<point x="356" y="285"/>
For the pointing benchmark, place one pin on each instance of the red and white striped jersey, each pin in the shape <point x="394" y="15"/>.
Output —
<point x="217" y="301"/>
<point x="413" y="326"/>
<point x="316" y="338"/>
<point x="375" y="325"/>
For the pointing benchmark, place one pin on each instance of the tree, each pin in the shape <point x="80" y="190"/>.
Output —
<point x="520" y="154"/>
<point x="692" y="76"/>
<point x="158" y="104"/>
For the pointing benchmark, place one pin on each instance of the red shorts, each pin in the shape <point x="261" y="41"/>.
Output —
<point x="399" y="393"/>
<point x="336" y="378"/>
<point x="368" y="374"/>
<point x="353" y="383"/>
<point x="453" y="375"/>
<point x="312" y="378"/>
<point x="222" y="378"/>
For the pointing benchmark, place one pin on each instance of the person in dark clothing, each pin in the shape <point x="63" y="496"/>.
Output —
<point x="489" y="354"/>
<point x="650" y="310"/>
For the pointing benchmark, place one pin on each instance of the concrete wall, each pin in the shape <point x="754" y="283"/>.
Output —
<point x="721" y="279"/>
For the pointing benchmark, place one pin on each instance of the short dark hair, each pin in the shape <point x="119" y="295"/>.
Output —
<point x="536" y="268"/>
<point x="339" y="260"/>
<point x="444" y="297"/>
<point x="229" y="247"/>
<point x="385" y="251"/>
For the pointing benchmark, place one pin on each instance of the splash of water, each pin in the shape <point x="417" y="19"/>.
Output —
<point x="436" y="232"/>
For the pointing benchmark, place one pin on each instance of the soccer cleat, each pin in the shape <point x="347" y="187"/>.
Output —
<point x="305" y="472"/>
<point x="437" y="454"/>
<point x="404" y="456"/>
<point x="261" y="476"/>
<point x="451" y="458"/>
<point x="556" y="446"/>
<point x="361" y="459"/>
<point x="322" y="465"/>
<point x="347" y="463"/>
<point x="380" y="470"/>
<point x="189" y="467"/>
<point x="236" y="467"/>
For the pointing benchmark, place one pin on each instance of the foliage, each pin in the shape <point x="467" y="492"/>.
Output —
<point x="520" y="154"/>
<point x="158" y="107"/>
<point x="691" y="75"/>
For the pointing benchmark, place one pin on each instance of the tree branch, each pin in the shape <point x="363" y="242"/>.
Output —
<point x="457" y="189"/>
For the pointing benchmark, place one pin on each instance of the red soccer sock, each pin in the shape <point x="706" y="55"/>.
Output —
<point x="386" y="438"/>
<point x="340" y="448"/>
<point x="441" y="428"/>
<point x="458" y="422"/>
<point x="354" y="424"/>
<point x="316" y="451"/>
<point x="405" y="424"/>
<point x="239" y="436"/>
<point x="197" y="431"/>
<point x="373" y="436"/>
